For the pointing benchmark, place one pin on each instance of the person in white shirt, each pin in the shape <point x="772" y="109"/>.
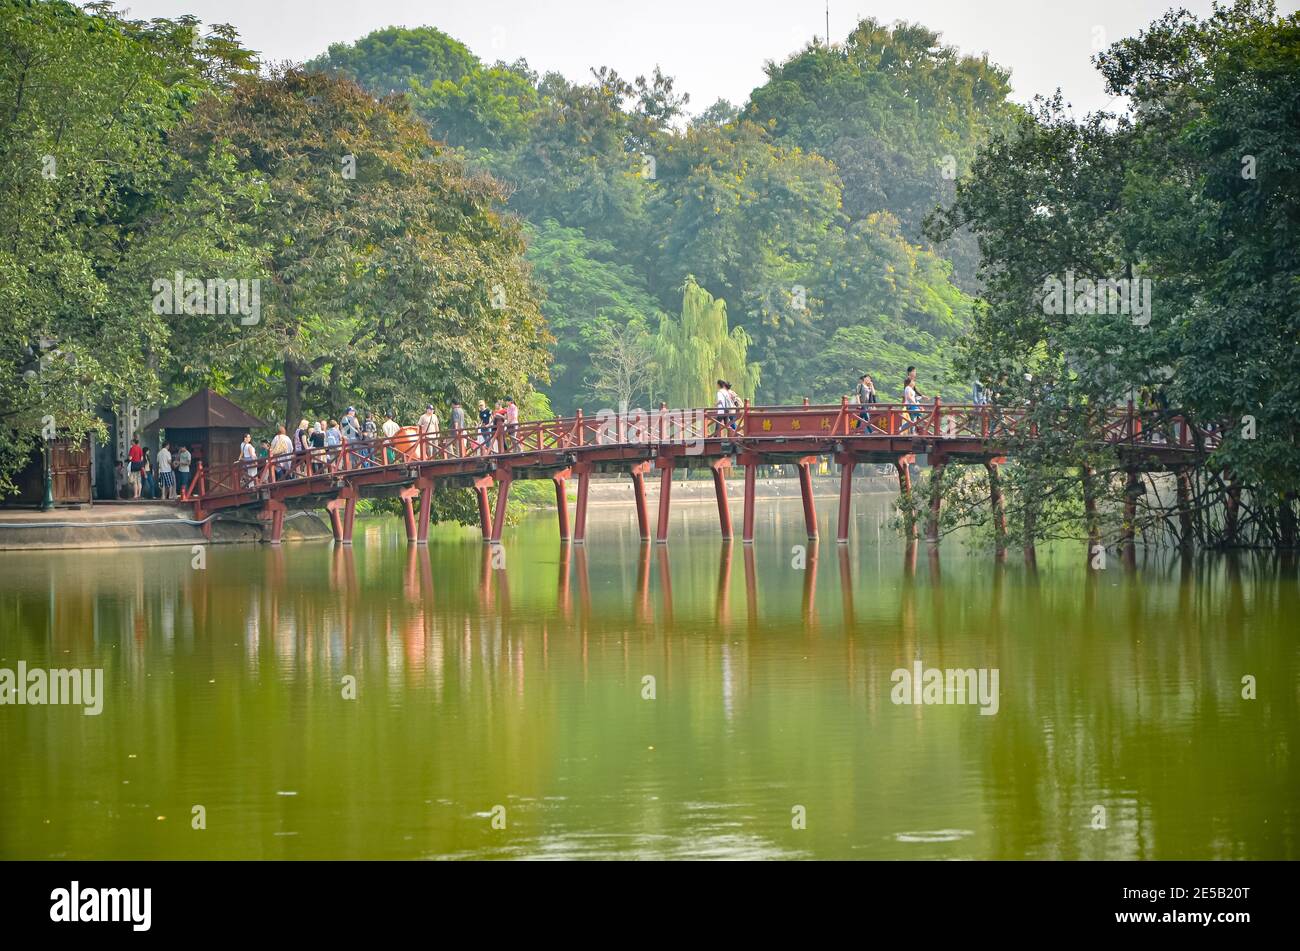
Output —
<point x="389" y="429"/>
<point x="912" y="401"/>
<point x="428" y="426"/>
<point x="722" y="402"/>
<point x="248" y="459"/>
<point x="281" y="452"/>
<point x="165" y="475"/>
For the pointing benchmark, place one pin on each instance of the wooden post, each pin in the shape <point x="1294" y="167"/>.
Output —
<point x="407" y="496"/>
<point x="425" y="486"/>
<point x="638" y="493"/>
<point x="751" y="473"/>
<point x="580" y="516"/>
<point x="484" y="513"/>
<point x="499" y="516"/>
<point x="665" y="494"/>
<point x="806" y="491"/>
<point x="562" y="506"/>
<point x="847" y="465"/>
<point x="719" y="467"/>
<point x="272" y="513"/>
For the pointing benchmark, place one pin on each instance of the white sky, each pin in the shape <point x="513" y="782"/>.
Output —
<point x="713" y="48"/>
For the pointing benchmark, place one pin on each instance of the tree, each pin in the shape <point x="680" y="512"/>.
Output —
<point x="88" y="102"/>
<point x="699" y="349"/>
<point x="399" y="283"/>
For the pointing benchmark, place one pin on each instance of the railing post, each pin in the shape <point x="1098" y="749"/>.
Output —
<point x="582" y="437"/>
<point x="745" y="417"/>
<point x="843" y="421"/>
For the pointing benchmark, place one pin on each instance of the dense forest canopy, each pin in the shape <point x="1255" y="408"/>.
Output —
<point x="802" y="210"/>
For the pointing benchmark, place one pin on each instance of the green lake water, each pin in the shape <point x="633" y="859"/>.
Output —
<point x="513" y="692"/>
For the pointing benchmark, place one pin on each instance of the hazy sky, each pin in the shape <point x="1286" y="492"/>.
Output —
<point x="713" y="48"/>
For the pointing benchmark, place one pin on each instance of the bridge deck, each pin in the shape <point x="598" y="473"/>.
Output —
<point x="411" y="463"/>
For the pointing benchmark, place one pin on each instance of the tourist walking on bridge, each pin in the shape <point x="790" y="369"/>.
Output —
<point x="248" y="461"/>
<point x="428" y="426"/>
<point x="389" y="429"/>
<point x="281" y="452"/>
<point x="512" y="424"/>
<point x="458" y="426"/>
<point x="484" y="423"/>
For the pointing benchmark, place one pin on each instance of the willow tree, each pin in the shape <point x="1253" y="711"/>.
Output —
<point x="698" y="349"/>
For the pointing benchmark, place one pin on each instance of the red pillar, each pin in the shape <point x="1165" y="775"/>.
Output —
<point x="426" y="511"/>
<point x="273" y="514"/>
<point x="638" y="494"/>
<point x="805" y="489"/>
<point x="562" y="506"/>
<point x="580" y="518"/>
<point x="720" y="491"/>
<point x="665" y="495"/>
<point x="499" y="516"/>
<point x="407" y="495"/>
<point x="847" y="465"/>
<point x="349" y="517"/>
<point x="751" y="470"/>
<point x="484" y="515"/>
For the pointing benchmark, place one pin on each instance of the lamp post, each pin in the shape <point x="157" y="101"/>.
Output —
<point x="47" y="503"/>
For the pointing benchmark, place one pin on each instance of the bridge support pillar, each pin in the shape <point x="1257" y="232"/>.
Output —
<point x="719" y="468"/>
<point x="936" y="502"/>
<point x="484" y="512"/>
<point x="426" y="511"/>
<point x="560" y="479"/>
<point x="343" y="514"/>
<point x="272" y="513"/>
<point x="847" y="465"/>
<point x="665" y="497"/>
<point x="499" y="516"/>
<point x="805" y="490"/>
<point x="580" y="516"/>
<point x="904" y="466"/>
<point x="751" y="471"/>
<point x="638" y="496"/>
<point x="998" y="504"/>
<point x="407" y="495"/>
<point x="417" y="518"/>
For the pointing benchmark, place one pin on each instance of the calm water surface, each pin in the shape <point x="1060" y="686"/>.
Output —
<point x="521" y="685"/>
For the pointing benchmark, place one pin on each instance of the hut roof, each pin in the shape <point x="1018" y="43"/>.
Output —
<point x="206" y="409"/>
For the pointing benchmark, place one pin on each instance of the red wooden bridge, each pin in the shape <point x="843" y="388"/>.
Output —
<point x="411" y="464"/>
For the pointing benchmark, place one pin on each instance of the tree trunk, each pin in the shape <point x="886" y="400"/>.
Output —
<point x="292" y="395"/>
<point x="1090" y="510"/>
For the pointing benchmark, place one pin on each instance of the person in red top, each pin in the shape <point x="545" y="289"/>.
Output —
<point x="135" y="462"/>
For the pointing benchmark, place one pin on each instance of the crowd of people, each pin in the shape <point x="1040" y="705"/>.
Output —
<point x="317" y="447"/>
<point x="864" y="395"/>
<point x="142" y="475"/>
